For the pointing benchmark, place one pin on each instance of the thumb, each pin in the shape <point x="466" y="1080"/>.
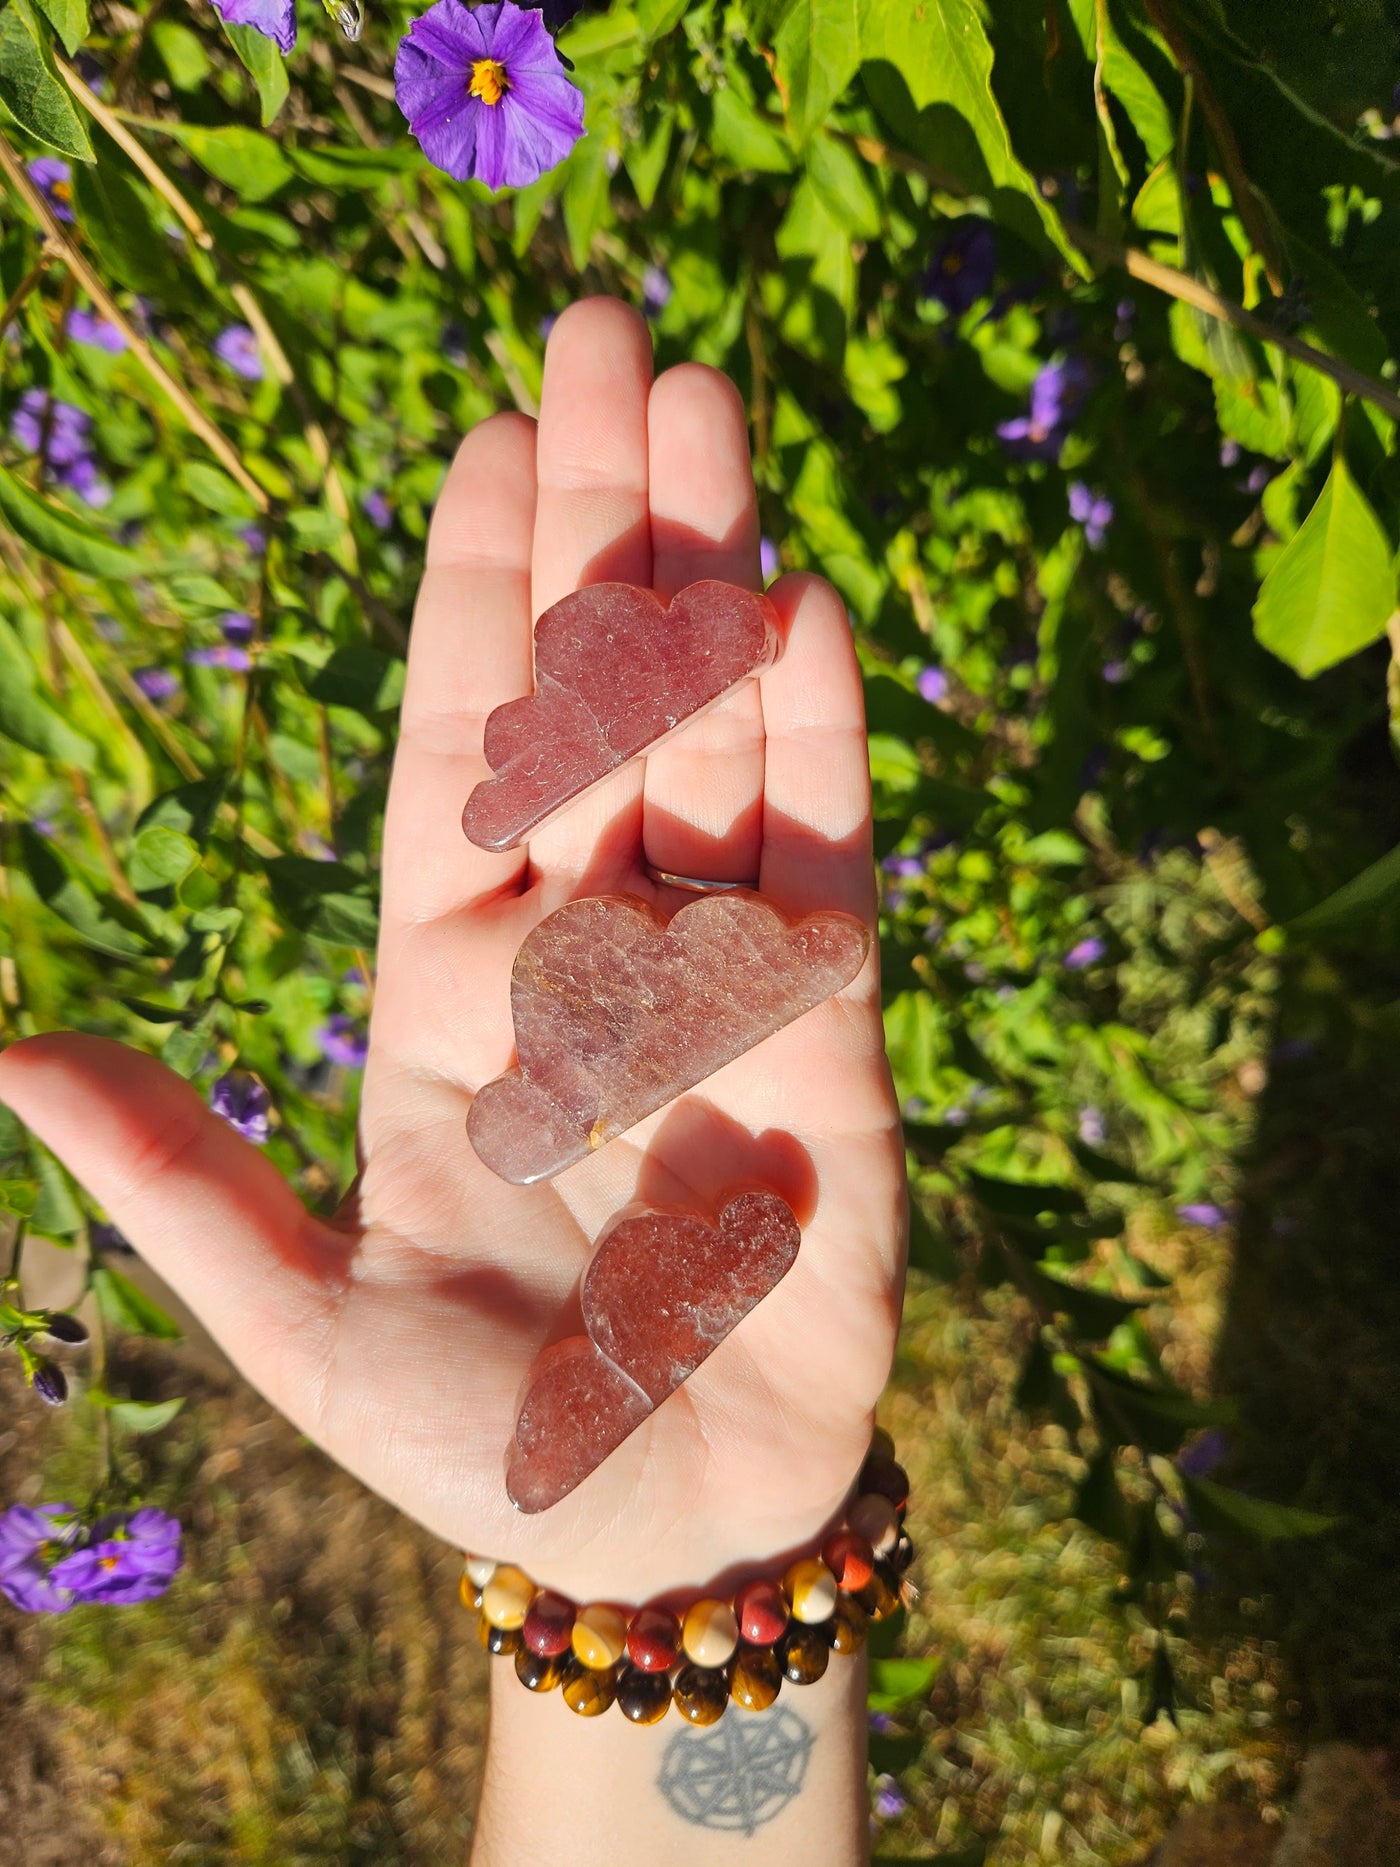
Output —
<point x="210" y="1213"/>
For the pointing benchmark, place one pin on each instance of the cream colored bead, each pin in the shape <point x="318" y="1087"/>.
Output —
<point x="709" y="1632"/>
<point x="877" y="1520"/>
<point x="811" y="1588"/>
<point x="480" y="1569"/>
<point x="599" y="1636"/>
<point x="506" y="1598"/>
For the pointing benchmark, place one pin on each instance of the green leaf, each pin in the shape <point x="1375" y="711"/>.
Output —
<point x="69" y="19"/>
<point x="57" y="533"/>
<point x="1094" y="1313"/>
<point x="894" y="1683"/>
<point x="246" y="161"/>
<point x="817" y="50"/>
<point x="325" y="900"/>
<point x="182" y="53"/>
<point x="585" y="196"/>
<point x="92" y="917"/>
<point x="138" y="1416"/>
<point x="1217" y="1508"/>
<point x="1331" y="590"/>
<point x="264" y="64"/>
<point x="26" y="716"/>
<point x="120" y="215"/>
<point x="189" y="808"/>
<point x="1375" y="888"/>
<point x="930" y="1251"/>
<point x="1022" y="1199"/>
<point x="126" y="1307"/>
<point x="214" y="490"/>
<point x="358" y="677"/>
<point x="1099" y="1503"/>
<point x="655" y="18"/>
<point x="741" y="136"/>
<point x="1103" y="1167"/>
<point x="30" y="87"/>
<point x="646" y="161"/>
<point x="18" y="1194"/>
<point x="57" y="1213"/>
<point x="843" y="182"/>
<point x="159" y="858"/>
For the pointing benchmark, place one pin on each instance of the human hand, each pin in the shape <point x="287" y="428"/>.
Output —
<point x="399" y="1335"/>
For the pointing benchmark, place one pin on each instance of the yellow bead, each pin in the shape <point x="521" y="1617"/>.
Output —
<point x="811" y="1588"/>
<point x="480" y="1569"/>
<point x="505" y="1599"/>
<point x="877" y="1520"/>
<point x="599" y="1636"/>
<point x="709" y="1633"/>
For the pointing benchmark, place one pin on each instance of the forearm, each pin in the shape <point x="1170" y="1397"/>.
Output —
<point x="598" y="1791"/>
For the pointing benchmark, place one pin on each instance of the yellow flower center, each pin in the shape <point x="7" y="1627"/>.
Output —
<point x="953" y="264"/>
<point x="106" y="1562"/>
<point x="63" y="191"/>
<point x="489" y="81"/>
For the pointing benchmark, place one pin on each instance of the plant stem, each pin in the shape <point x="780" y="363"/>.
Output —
<point x="17" y="1250"/>
<point x="26" y="285"/>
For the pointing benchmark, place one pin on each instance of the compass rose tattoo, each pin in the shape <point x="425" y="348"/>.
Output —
<point x="741" y="1774"/>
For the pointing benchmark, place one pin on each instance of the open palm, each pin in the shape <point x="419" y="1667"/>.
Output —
<point x="399" y="1337"/>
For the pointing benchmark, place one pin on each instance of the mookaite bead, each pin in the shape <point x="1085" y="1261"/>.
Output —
<point x="762" y="1613"/>
<point x="497" y="1640"/>
<point x="880" y="1596"/>
<point x="505" y="1600"/>
<point x="848" y="1626"/>
<point x="850" y="1559"/>
<point x="642" y="1697"/>
<point x="470" y="1593"/>
<point x="480" y="1569"/>
<point x="803" y="1653"/>
<point x="701" y="1694"/>
<point x="811" y="1589"/>
<point x="709" y="1633"/>
<point x="755" y="1678"/>
<point x="599" y="1636"/>
<point x="654" y="1640"/>
<point x="882" y="1477"/>
<point x="540" y="1672"/>
<point x="586" y="1690"/>
<point x="549" y="1624"/>
<point x="901" y="1555"/>
<point x="877" y="1520"/>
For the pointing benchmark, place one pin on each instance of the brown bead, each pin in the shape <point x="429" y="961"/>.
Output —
<point x="654" y="1640"/>
<point x="642" y="1697"/>
<point x="901" y="1555"/>
<point x="549" y="1625"/>
<point x="587" y="1691"/>
<point x="848" y="1626"/>
<point x="881" y="1445"/>
<point x="470" y="1594"/>
<point x="537" y="1672"/>
<point x="850" y="1559"/>
<point x="497" y="1640"/>
<point x="803" y="1653"/>
<point x="877" y="1520"/>
<point x="880" y="1596"/>
<point x="885" y="1478"/>
<point x="755" y="1678"/>
<point x="701" y="1694"/>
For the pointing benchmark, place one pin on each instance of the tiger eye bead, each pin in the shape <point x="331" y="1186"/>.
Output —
<point x="881" y="1445"/>
<point x="755" y="1678"/>
<point x="701" y="1694"/>
<point x="880" y="1596"/>
<point x="642" y="1697"/>
<point x="497" y="1640"/>
<point x="803" y="1653"/>
<point x="850" y="1559"/>
<point x="586" y="1690"/>
<point x="470" y="1593"/>
<point x="654" y="1640"/>
<point x="811" y="1590"/>
<point x="882" y="1477"/>
<point x="537" y="1672"/>
<point x="599" y="1636"/>
<point x="549" y="1625"/>
<point x="762" y="1613"/>
<point x="506" y="1598"/>
<point x="877" y="1520"/>
<point x="480" y="1569"/>
<point x="848" y="1626"/>
<point x="709" y="1633"/>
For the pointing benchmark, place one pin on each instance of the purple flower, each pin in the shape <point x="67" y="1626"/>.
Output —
<point x="1258" y="477"/>
<point x="932" y="684"/>
<point x="236" y="346"/>
<point x="1230" y="452"/>
<point x="1115" y="672"/>
<point x="1058" y="394"/>
<point x="29" y="1542"/>
<point x="547" y="324"/>
<point x="157" y="683"/>
<point x="902" y="865"/>
<point x="105" y="1237"/>
<point x="255" y="538"/>
<point x="1091" y="1127"/>
<point x="1086" y="953"/>
<point x="963" y="265"/>
<point x="378" y="510"/>
<point x="236" y="627"/>
<point x="85" y="327"/>
<point x="880" y="1722"/>
<point x="343" y="1041"/>
<point x="656" y="291"/>
<point x="244" y="1104"/>
<point x="1125" y="317"/>
<point x="1201" y="1212"/>
<point x="127" y="1558"/>
<point x="69" y="428"/>
<point x="53" y="177"/>
<point x="769" y="563"/>
<point x="1200" y="1459"/>
<point x="274" y="19"/>
<point x="485" y="93"/>
<point x="1091" y="510"/>
<point x="890" y="1804"/>
<point x="49" y="1382"/>
<point x="84" y="479"/>
<point x="221" y="655"/>
<point x="1293" y="1050"/>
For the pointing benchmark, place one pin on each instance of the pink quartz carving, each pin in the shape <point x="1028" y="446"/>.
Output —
<point x="617" y="1013"/>
<point x="662" y="1292"/>
<point x="615" y="672"/>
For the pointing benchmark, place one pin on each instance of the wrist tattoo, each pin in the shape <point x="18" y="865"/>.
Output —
<point x="741" y="1774"/>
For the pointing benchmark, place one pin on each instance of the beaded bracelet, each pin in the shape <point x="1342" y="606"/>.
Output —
<point x="742" y="1649"/>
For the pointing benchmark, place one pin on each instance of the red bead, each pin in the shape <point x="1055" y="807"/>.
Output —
<point x="886" y="1478"/>
<point x="549" y="1624"/>
<point x="762" y="1613"/>
<point x="850" y="1559"/>
<point x="654" y="1640"/>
